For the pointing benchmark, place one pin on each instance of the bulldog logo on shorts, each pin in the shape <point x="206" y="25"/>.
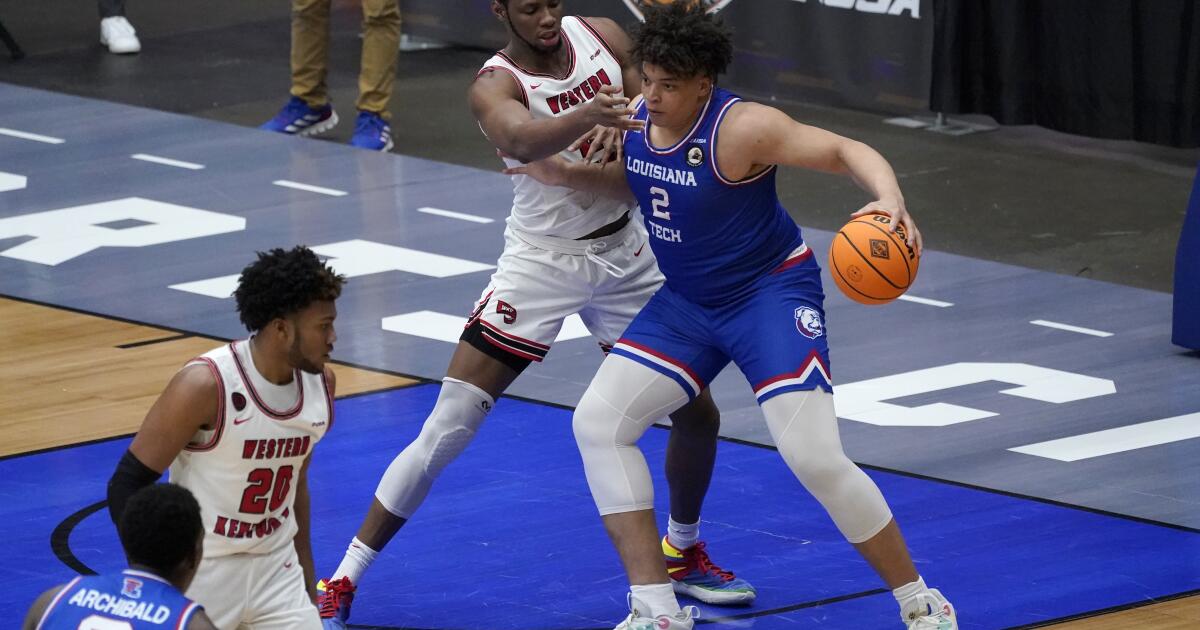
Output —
<point x="808" y="322"/>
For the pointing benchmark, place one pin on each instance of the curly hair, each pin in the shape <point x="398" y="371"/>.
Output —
<point x="683" y="39"/>
<point x="283" y="282"/>
<point x="160" y="526"/>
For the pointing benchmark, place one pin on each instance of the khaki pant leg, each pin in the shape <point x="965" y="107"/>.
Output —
<point x="310" y="50"/>
<point x="381" y="44"/>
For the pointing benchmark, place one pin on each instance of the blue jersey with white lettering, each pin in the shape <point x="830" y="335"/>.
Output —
<point x="139" y="599"/>
<point x="713" y="236"/>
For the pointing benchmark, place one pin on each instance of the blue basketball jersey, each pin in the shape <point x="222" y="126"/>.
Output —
<point x="133" y="599"/>
<point x="712" y="236"/>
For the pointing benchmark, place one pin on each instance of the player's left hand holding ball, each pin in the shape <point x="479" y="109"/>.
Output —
<point x="895" y="209"/>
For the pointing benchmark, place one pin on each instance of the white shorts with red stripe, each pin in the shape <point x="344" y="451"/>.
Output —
<point x="540" y="281"/>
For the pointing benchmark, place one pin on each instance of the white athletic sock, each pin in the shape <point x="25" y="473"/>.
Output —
<point x="659" y="597"/>
<point x="358" y="557"/>
<point x="682" y="536"/>
<point x="911" y="606"/>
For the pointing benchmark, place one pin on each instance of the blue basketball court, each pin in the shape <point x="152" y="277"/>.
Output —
<point x="1036" y="434"/>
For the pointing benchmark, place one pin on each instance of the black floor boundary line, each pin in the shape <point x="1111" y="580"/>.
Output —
<point x="703" y="620"/>
<point x="1105" y="611"/>
<point x="60" y="538"/>
<point x="150" y="342"/>
<point x="191" y="333"/>
<point x="63" y="447"/>
<point x="904" y="473"/>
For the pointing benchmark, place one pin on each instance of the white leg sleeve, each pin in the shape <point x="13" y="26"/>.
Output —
<point x="805" y="430"/>
<point x="625" y="398"/>
<point x="451" y="425"/>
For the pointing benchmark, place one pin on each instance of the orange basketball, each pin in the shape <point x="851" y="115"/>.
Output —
<point x="869" y="263"/>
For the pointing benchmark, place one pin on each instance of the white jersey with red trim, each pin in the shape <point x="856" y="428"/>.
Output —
<point x="553" y="210"/>
<point x="243" y="470"/>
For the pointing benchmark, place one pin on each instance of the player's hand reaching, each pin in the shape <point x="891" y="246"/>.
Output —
<point x="551" y="171"/>
<point x="895" y="209"/>
<point x="599" y="145"/>
<point x="611" y="108"/>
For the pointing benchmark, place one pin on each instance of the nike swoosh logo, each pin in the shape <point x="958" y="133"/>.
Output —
<point x="287" y="565"/>
<point x="534" y="86"/>
<point x="237" y="421"/>
<point x="639" y="251"/>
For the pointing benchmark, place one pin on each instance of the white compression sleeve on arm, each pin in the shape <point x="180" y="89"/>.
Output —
<point x="448" y="430"/>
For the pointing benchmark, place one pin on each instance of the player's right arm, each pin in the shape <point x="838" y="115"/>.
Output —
<point x="496" y="102"/>
<point x="188" y="404"/>
<point x="39" y="607"/>
<point x="606" y="178"/>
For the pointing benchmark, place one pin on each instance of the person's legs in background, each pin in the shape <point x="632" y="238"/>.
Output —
<point x="377" y="75"/>
<point x="309" y="111"/>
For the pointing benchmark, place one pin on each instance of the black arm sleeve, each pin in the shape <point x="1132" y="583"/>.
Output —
<point x="130" y="476"/>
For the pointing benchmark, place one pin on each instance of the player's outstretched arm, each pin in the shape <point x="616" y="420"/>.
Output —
<point x="754" y="136"/>
<point x="497" y="102"/>
<point x="39" y="607"/>
<point x="602" y="143"/>
<point x="606" y="179"/>
<point x="188" y="404"/>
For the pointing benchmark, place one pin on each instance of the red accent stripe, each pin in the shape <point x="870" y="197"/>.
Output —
<point x="187" y="615"/>
<point x="328" y="399"/>
<point x="520" y="353"/>
<point x="514" y="337"/>
<point x="57" y="598"/>
<point x="520" y="85"/>
<point x="812" y="356"/>
<point x="220" y="428"/>
<point x="712" y="159"/>
<point x="679" y="145"/>
<point x="673" y="361"/>
<point x="258" y="402"/>
<point x="793" y="261"/>
<point x="609" y="48"/>
<point x="570" y="69"/>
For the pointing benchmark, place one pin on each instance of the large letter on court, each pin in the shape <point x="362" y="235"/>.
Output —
<point x="863" y="401"/>
<point x="60" y="235"/>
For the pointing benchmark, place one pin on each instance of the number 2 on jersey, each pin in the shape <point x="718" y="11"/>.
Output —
<point x="659" y="204"/>
<point x="254" y="499"/>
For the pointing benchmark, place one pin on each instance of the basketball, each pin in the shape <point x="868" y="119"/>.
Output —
<point x="869" y="263"/>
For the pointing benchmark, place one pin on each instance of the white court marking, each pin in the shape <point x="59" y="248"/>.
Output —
<point x="332" y="192"/>
<point x="146" y="157"/>
<point x="1118" y="440"/>
<point x="25" y="135"/>
<point x="1079" y="329"/>
<point x="455" y="215"/>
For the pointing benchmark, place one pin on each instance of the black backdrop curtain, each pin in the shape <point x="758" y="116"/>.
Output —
<point x="1123" y="69"/>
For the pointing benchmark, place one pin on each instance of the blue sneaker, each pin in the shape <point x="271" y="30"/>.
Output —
<point x="372" y="132"/>
<point x="692" y="573"/>
<point x="299" y="119"/>
<point x="333" y="602"/>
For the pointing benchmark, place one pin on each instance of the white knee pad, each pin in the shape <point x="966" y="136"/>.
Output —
<point x="623" y="399"/>
<point x="805" y="430"/>
<point x="448" y="430"/>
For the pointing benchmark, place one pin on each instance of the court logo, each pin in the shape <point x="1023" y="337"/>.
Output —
<point x="695" y="156"/>
<point x="879" y="248"/>
<point x="808" y="322"/>
<point x="636" y="5"/>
